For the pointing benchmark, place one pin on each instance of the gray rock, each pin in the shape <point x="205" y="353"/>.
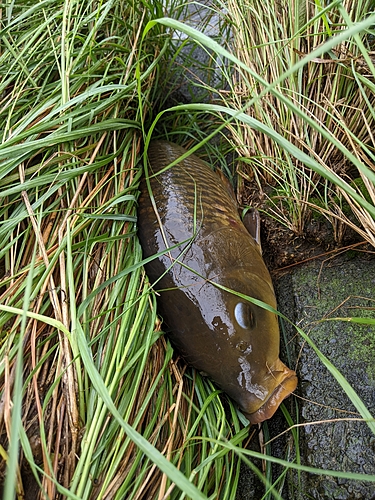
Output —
<point x="307" y="295"/>
<point x="199" y="70"/>
<point x="342" y="289"/>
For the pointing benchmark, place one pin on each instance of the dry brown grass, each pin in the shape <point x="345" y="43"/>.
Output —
<point x="333" y="91"/>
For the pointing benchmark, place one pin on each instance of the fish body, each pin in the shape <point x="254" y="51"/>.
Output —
<point x="194" y="214"/>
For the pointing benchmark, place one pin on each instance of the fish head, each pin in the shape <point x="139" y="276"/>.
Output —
<point x="262" y="379"/>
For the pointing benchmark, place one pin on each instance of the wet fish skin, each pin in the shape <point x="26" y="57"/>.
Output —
<point x="232" y="340"/>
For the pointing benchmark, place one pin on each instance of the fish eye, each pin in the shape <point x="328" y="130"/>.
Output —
<point x="244" y="315"/>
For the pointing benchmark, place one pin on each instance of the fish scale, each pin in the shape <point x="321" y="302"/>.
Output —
<point x="189" y="185"/>
<point x="214" y="258"/>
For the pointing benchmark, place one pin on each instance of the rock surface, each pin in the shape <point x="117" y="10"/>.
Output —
<point x="340" y="441"/>
<point x="200" y="70"/>
<point x="340" y="289"/>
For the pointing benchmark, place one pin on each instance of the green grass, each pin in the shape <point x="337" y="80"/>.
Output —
<point x="94" y="404"/>
<point x="307" y="74"/>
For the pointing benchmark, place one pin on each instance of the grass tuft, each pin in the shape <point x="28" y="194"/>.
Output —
<point x="93" y="402"/>
<point x="93" y="405"/>
<point x="306" y="70"/>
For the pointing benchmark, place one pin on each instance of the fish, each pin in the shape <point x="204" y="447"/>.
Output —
<point x="206" y="264"/>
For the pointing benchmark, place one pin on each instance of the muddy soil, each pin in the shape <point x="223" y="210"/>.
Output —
<point x="284" y="248"/>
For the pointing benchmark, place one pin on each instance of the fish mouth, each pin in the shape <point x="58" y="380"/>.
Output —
<point x="281" y="392"/>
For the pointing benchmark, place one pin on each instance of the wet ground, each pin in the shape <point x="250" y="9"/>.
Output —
<point x="284" y="248"/>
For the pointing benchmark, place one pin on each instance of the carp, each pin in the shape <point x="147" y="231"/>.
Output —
<point x="208" y="263"/>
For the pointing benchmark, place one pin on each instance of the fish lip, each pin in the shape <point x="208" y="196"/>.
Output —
<point x="272" y="403"/>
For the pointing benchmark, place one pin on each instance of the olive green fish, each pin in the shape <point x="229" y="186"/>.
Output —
<point x="194" y="214"/>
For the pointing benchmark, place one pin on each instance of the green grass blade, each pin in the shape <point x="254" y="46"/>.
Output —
<point x="173" y="473"/>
